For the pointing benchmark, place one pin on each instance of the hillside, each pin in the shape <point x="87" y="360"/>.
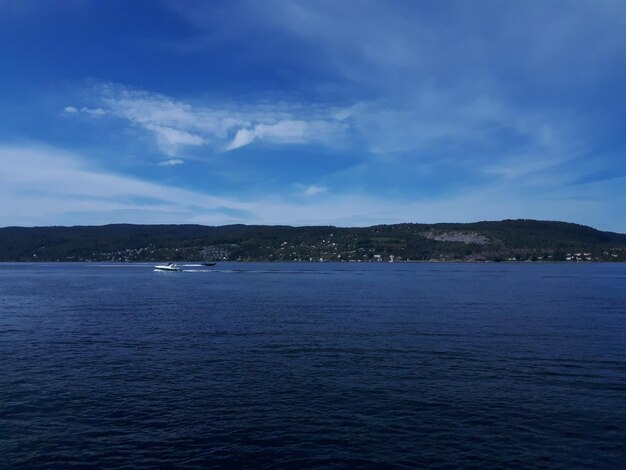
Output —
<point x="512" y="240"/>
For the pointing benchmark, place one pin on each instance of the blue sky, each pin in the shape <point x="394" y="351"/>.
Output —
<point x="312" y="112"/>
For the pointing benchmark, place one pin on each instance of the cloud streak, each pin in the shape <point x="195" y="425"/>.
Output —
<point x="226" y="126"/>
<point x="66" y="189"/>
<point x="171" y="162"/>
<point x="286" y="132"/>
<point x="64" y="184"/>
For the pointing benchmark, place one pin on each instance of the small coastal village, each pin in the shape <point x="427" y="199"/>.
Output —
<point x="505" y="241"/>
<point x="294" y="253"/>
<point x="326" y="251"/>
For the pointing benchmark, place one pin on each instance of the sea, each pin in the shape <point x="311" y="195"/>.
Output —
<point x="313" y="365"/>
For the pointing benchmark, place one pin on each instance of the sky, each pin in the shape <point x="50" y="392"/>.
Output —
<point x="347" y="113"/>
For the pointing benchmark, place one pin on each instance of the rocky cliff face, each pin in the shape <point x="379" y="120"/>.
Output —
<point x="456" y="236"/>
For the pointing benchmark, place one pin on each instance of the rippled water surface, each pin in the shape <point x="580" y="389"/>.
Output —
<point x="313" y="365"/>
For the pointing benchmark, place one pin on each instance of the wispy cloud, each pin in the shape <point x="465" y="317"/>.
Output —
<point x="44" y="184"/>
<point x="171" y="162"/>
<point x="478" y="135"/>
<point x="224" y="126"/>
<point x="431" y="123"/>
<point x="311" y="190"/>
<point x="66" y="189"/>
<point x="85" y="110"/>
<point x="287" y="131"/>
<point x="170" y="138"/>
<point x="462" y="81"/>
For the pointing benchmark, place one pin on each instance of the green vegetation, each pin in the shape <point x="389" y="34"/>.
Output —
<point x="508" y="240"/>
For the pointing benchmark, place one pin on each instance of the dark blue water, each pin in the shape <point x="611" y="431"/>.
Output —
<point x="313" y="365"/>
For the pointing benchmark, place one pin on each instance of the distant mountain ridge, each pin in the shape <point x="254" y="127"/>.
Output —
<point x="506" y="240"/>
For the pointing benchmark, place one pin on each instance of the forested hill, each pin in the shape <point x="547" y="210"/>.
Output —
<point x="508" y="240"/>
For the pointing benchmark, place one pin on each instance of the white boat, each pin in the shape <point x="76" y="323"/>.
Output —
<point x="167" y="267"/>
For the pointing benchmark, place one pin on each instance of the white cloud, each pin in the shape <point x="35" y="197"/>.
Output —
<point x="313" y="190"/>
<point x="40" y="185"/>
<point x="65" y="190"/>
<point x="85" y="110"/>
<point x="93" y="111"/>
<point x="223" y="125"/>
<point x="170" y="139"/>
<point x="288" y="131"/>
<point x="429" y="123"/>
<point x="242" y="137"/>
<point x="171" y="162"/>
<point x="461" y="127"/>
<point x="447" y="78"/>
